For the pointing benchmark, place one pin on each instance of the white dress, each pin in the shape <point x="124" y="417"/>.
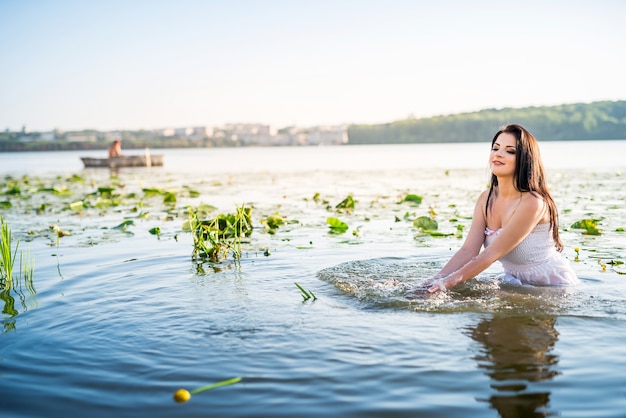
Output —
<point x="535" y="261"/>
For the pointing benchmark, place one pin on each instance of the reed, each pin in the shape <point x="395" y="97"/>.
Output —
<point x="7" y="254"/>
<point x="306" y="295"/>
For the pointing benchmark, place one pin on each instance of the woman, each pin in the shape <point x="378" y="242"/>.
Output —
<point x="516" y="220"/>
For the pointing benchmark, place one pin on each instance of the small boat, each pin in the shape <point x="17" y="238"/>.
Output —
<point x="124" y="161"/>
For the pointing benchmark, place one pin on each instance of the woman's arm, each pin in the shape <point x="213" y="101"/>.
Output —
<point x="472" y="244"/>
<point x="528" y="214"/>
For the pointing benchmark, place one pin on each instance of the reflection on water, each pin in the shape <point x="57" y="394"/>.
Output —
<point x="517" y="338"/>
<point x="516" y="352"/>
<point x="21" y="288"/>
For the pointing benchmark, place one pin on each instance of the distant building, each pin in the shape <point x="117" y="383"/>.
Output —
<point x="168" y="132"/>
<point x="81" y="138"/>
<point x="26" y="138"/>
<point x="183" y="132"/>
<point x="202" y="132"/>
<point x="248" y="133"/>
<point x="328" y="136"/>
<point x="47" y="136"/>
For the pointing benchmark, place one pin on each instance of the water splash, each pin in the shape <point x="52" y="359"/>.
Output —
<point x="395" y="282"/>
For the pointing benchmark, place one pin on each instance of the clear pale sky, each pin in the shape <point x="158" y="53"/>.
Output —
<point x="144" y="64"/>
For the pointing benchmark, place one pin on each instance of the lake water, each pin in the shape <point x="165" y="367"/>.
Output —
<point x="117" y="320"/>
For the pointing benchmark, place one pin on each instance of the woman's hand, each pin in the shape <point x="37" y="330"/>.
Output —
<point x="423" y="288"/>
<point x="439" y="286"/>
<point x="435" y="283"/>
<point x="445" y="283"/>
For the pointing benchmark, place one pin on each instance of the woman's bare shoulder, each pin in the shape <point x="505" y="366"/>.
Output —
<point x="531" y="199"/>
<point x="533" y="203"/>
<point x="482" y="197"/>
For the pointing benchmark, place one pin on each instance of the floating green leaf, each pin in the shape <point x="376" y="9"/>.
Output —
<point x="169" y="197"/>
<point x="437" y="233"/>
<point x="152" y="191"/>
<point x="77" y="206"/>
<point x="203" y="210"/>
<point x="347" y="203"/>
<point x="105" y="191"/>
<point x="273" y="221"/>
<point x="413" y="198"/>
<point x="62" y="191"/>
<point x="124" y="224"/>
<point x="337" y="226"/>
<point x="13" y="191"/>
<point x="103" y="203"/>
<point x="426" y="223"/>
<point x="588" y="225"/>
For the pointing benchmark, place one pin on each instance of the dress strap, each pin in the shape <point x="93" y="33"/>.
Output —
<point x="489" y="232"/>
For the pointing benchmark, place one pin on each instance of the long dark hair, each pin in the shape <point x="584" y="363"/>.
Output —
<point x="529" y="174"/>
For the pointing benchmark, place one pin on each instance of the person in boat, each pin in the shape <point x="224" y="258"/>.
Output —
<point x="115" y="150"/>
<point x="515" y="220"/>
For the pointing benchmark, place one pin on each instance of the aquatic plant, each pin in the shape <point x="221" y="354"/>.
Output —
<point x="8" y="279"/>
<point x="215" y="238"/>
<point x="426" y="223"/>
<point x="589" y="226"/>
<point x="336" y="225"/>
<point x="7" y="254"/>
<point x="122" y="227"/>
<point x="413" y="198"/>
<point x="183" y="395"/>
<point x="169" y="196"/>
<point x="306" y="294"/>
<point x="272" y="222"/>
<point x="346" y="204"/>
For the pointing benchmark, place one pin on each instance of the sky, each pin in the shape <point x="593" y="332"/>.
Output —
<point x="152" y="64"/>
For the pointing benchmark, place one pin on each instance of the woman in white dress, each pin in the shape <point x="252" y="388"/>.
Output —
<point x="515" y="220"/>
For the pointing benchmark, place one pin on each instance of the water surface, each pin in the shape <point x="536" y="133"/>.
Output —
<point x="117" y="320"/>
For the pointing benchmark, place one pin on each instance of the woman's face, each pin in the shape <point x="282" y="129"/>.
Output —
<point x="503" y="155"/>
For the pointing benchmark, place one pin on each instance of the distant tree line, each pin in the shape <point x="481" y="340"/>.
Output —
<point x="130" y="140"/>
<point x="581" y="121"/>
